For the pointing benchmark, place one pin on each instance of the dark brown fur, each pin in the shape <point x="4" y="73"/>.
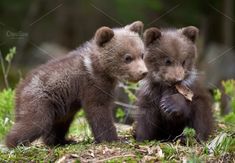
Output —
<point x="49" y="97"/>
<point x="163" y="112"/>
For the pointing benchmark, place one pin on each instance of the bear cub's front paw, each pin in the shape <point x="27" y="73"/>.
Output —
<point x="174" y="105"/>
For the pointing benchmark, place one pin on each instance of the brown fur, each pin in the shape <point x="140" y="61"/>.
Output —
<point x="49" y="97"/>
<point x="163" y="112"/>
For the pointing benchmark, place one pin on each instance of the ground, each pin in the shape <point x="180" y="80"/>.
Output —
<point x="220" y="148"/>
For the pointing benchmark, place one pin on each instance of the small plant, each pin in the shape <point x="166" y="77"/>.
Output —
<point x="189" y="134"/>
<point x="6" y="68"/>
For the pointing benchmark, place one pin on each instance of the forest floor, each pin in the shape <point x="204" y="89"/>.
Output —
<point x="219" y="148"/>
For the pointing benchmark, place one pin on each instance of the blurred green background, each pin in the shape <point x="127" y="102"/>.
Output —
<point x="42" y="29"/>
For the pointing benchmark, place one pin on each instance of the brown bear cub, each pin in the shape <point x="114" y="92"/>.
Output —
<point x="49" y="97"/>
<point x="164" y="112"/>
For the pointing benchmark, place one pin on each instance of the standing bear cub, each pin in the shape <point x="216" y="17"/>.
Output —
<point x="163" y="111"/>
<point x="49" y="97"/>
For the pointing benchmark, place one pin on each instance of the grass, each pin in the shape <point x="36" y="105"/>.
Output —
<point x="220" y="148"/>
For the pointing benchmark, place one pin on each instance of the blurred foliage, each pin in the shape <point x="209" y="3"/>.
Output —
<point x="229" y="89"/>
<point x="189" y="134"/>
<point x="130" y="91"/>
<point x="6" y="111"/>
<point x="10" y="55"/>
<point x="6" y="95"/>
<point x="120" y="114"/>
<point x="217" y="95"/>
<point x="67" y="23"/>
<point x="6" y="67"/>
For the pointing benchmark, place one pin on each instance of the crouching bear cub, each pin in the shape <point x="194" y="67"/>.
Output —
<point x="49" y="97"/>
<point x="164" y="112"/>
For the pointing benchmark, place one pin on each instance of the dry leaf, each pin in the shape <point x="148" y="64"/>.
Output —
<point x="159" y="152"/>
<point x="223" y="126"/>
<point x="185" y="91"/>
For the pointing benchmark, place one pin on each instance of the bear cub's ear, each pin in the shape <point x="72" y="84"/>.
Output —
<point x="151" y="35"/>
<point x="103" y="35"/>
<point x="136" y="27"/>
<point x="191" y="33"/>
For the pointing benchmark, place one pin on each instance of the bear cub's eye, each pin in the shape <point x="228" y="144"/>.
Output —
<point x="128" y="59"/>
<point x="183" y="63"/>
<point x="168" y="62"/>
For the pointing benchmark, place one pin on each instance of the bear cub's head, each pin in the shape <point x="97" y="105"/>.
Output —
<point x="170" y="54"/>
<point x="121" y="51"/>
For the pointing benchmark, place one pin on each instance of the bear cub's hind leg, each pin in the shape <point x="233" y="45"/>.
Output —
<point x="24" y="132"/>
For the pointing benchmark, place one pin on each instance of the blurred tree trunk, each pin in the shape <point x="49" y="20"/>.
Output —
<point x="228" y="22"/>
<point x="33" y="14"/>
